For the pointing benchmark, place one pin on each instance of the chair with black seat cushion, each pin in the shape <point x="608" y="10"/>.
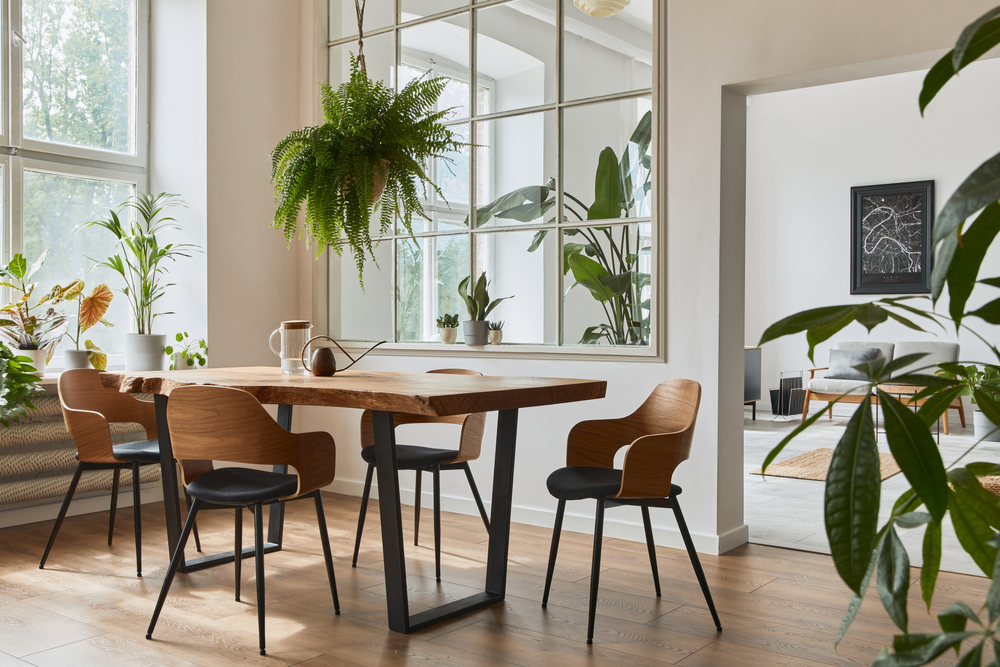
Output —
<point x="226" y="424"/>
<point x="88" y="408"/>
<point x="429" y="459"/>
<point x="658" y="438"/>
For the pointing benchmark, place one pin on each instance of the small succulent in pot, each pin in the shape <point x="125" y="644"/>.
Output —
<point x="447" y="321"/>
<point x="496" y="325"/>
<point x="496" y="332"/>
<point x="188" y="354"/>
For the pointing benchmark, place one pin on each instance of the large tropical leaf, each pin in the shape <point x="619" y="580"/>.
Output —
<point x="973" y="532"/>
<point x="93" y="307"/>
<point x="98" y="359"/>
<point x="968" y="259"/>
<point x="607" y="188"/>
<point x="932" y="562"/>
<point x="588" y="273"/>
<point x="978" y="38"/>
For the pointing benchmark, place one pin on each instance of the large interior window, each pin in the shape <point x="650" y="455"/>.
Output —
<point x="73" y="141"/>
<point x="553" y="199"/>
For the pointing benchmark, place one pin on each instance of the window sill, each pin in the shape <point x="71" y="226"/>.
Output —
<point x="508" y="351"/>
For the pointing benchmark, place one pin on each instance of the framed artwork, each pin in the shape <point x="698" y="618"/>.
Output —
<point x="891" y="238"/>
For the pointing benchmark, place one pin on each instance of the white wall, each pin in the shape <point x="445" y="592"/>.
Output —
<point x="806" y="148"/>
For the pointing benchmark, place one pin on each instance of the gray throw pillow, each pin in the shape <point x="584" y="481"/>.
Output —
<point x="842" y="362"/>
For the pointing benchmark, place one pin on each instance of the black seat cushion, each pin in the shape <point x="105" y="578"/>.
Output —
<point x="579" y="482"/>
<point x="242" y="486"/>
<point x="413" y="457"/>
<point x="143" y="451"/>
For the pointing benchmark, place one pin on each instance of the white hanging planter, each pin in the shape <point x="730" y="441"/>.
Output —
<point x="601" y="8"/>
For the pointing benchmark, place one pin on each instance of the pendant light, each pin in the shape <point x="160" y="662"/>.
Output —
<point x="600" y="8"/>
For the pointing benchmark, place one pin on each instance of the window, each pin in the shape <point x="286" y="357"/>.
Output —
<point x="73" y="142"/>
<point x="554" y="199"/>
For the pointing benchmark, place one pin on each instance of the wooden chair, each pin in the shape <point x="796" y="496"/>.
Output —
<point x="658" y="436"/>
<point x="430" y="459"/>
<point x="225" y="424"/>
<point x="88" y="407"/>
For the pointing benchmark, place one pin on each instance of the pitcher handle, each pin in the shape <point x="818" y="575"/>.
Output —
<point x="270" y="341"/>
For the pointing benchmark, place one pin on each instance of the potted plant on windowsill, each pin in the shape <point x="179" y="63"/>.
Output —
<point x="365" y="162"/>
<point x="189" y="354"/>
<point x="18" y="384"/>
<point x="448" y="328"/>
<point x="140" y="261"/>
<point x="31" y="334"/>
<point x="496" y="332"/>
<point x="477" y="300"/>
<point x="89" y="313"/>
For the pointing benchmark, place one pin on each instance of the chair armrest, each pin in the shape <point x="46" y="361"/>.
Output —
<point x="92" y="435"/>
<point x="595" y="442"/>
<point x="315" y="460"/>
<point x="650" y="462"/>
<point x="812" y="371"/>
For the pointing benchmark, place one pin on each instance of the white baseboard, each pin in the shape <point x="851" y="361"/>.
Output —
<point x="581" y="521"/>
<point x="46" y="511"/>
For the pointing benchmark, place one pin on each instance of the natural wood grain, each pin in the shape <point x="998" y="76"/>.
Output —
<point x="88" y="406"/>
<point x="433" y="394"/>
<point x="225" y="424"/>
<point x="658" y="436"/>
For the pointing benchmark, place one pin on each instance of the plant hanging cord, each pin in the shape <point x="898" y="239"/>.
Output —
<point x="359" y="8"/>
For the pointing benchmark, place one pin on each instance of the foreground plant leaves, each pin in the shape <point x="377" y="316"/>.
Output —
<point x="894" y="578"/>
<point x="853" y="485"/>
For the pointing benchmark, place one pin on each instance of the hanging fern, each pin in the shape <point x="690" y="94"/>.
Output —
<point x="371" y="134"/>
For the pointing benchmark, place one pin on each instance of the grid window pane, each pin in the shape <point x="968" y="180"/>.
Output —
<point x="607" y="285"/>
<point x="608" y="55"/>
<point x="79" y="83"/>
<point x="54" y="205"/>
<point x="380" y="59"/>
<point x="516" y="51"/>
<point x="428" y="271"/>
<point x="415" y="9"/>
<point x="440" y="48"/>
<point x="344" y="19"/>
<point x="362" y="315"/>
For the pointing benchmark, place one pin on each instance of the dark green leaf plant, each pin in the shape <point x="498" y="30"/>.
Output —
<point x="18" y="385"/>
<point x="477" y="297"/>
<point x="861" y="549"/>
<point x="27" y="326"/>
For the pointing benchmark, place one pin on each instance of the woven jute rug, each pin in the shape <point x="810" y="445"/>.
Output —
<point x="991" y="484"/>
<point x="813" y="465"/>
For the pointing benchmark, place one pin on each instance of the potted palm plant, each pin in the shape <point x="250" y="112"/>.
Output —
<point x="477" y="300"/>
<point x="365" y="162"/>
<point x="30" y="330"/>
<point x="141" y="262"/>
<point x="90" y="312"/>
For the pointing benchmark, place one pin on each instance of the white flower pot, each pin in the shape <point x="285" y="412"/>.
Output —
<point x="37" y="359"/>
<point x="181" y="364"/>
<point x="448" y="335"/>
<point x="496" y="335"/>
<point x="144" y="352"/>
<point x="985" y="429"/>
<point x="74" y="359"/>
<point x="476" y="332"/>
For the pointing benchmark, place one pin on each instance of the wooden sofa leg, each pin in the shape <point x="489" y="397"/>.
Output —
<point x="830" y="410"/>
<point x="944" y="422"/>
<point x="961" y="412"/>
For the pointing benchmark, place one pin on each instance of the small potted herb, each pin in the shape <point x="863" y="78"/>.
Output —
<point x="188" y="354"/>
<point x="32" y="333"/>
<point x="496" y="332"/>
<point x="448" y="328"/>
<point x="477" y="300"/>
<point x="90" y="312"/>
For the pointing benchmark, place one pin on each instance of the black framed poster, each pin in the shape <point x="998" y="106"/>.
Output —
<point x="891" y="238"/>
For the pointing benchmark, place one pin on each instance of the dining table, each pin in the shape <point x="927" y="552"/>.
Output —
<point x="385" y="394"/>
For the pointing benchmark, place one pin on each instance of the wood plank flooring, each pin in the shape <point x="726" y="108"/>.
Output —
<point x="88" y="609"/>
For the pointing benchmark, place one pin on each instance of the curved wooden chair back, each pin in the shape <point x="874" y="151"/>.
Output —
<point x="658" y="436"/>
<point x="227" y="424"/>
<point x="88" y="407"/>
<point x="473" y="424"/>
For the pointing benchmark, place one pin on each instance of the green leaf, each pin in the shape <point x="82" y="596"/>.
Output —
<point x="536" y="242"/>
<point x="935" y="406"/>
<point x="588" y="273"/>
<point x="919" y="649"/>
<point x="967" y="39"/>
<point x="987" y="404"/>
<point x="607" y="188"/>
<point x="894" y="579"/>
<point x="969" y="258"/>
<point x="985" y="504"/>
<point x="851" y="502"/>
<point x="818" y="334"/>
<point x="956" y="617"/>
<point x="856" y="600"/>
<point x="870" y="316"/>
<point x="932" y="562"/>
<point x="98" y="359"/>
<point x="912" y="520"/>
<point x="988" y="313"/>
<point x="915" y="451"/>
<point x="807" y="319"/>
<point x="974" y="658"/>
<point x="993" y="597"/>
<point x="973" y="533"/>
<point x="983" y="469"/>
<point x="18" y="266"/>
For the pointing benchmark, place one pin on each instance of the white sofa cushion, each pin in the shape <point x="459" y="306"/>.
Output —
<point x="936" y="351"/>
<point x="838" y="387"/>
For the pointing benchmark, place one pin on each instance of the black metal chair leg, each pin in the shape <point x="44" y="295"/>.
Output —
<point x="651" y="546"/>
<point x="595" y="568"/>
<point x="437" y="522"/>
<point x="416" y="509"/>
<point x="238" y="550"/>
<point x="258" y="543"/>
<point x="695" y="562"/>
<point x="114" y="505"/>
<point x="197" y="537"/>
<point x="324" y="537"/>
<point x="62" y="513"/>
<point x="556" y="530"/>
<point x="175" y="562"/>
<point x="137" y="517"/>
<point x="361" y="515"/>
<point x="475" y="494"/>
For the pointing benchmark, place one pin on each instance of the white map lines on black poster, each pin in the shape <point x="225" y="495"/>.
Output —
<point x="892" y="234"/>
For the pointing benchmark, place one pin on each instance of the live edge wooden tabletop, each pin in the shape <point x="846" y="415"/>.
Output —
<point x="433" y="394"/>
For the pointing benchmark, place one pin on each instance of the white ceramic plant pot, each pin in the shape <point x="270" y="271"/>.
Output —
<point x="181" y="364"/>
<point x="496" y="336"/>
<point x="448" y="334"/>
<point x="74" y="359"/>
<point x="985" y="429"/>
<point x="476" y="332"/>
<point x="144" y="352"/>
<point x="37" y="359"/>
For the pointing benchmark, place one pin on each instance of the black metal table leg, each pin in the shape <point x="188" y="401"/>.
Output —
<point x="392" y="528"/>
<point x="171" y="498"/>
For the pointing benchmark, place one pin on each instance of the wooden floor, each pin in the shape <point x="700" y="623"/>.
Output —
<point x="778" y="607"/>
